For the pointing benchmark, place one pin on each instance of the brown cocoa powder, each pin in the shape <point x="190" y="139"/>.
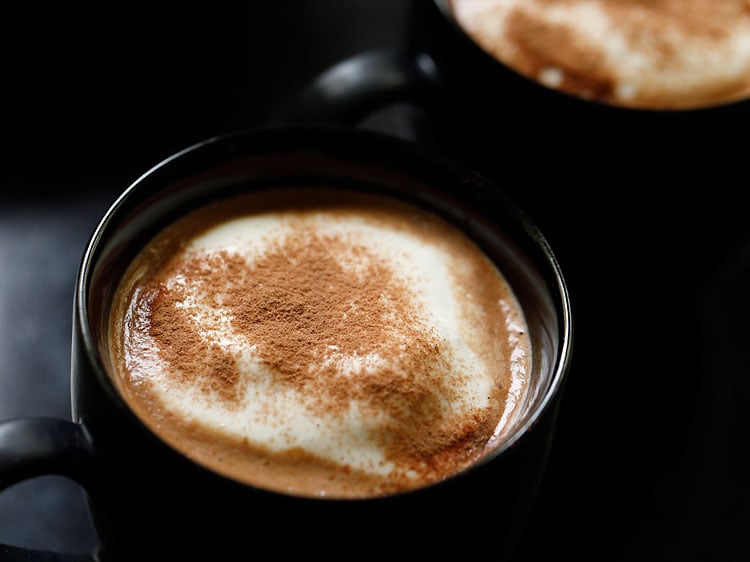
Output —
<point x="297" y="304"/>
<point x="544" y="44"/>
<point x="309" y="299"/>
<point x="647" y="25"/>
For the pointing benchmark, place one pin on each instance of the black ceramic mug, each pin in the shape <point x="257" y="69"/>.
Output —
<point x="148" y="501"/>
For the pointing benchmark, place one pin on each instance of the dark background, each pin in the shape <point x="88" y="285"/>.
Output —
<point x="650" y="459"/>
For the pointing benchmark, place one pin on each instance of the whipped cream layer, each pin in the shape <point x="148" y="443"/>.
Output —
<point x="338" y="339"/>
<point x="658" y="54"/>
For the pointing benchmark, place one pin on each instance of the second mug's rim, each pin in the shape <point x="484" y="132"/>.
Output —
<point x="233" y="142"/>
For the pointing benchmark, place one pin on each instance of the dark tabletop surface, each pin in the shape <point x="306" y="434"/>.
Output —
<point x="649" y="461"/>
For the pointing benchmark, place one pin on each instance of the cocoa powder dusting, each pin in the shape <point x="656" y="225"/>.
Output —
<point x="531" y="39"/>
<point x="702" y="17"/>
<point x="307" y="304"/>
<point x="543" y="45"/>
<point x="644" y="22"/>
<point x="191" y="356"/>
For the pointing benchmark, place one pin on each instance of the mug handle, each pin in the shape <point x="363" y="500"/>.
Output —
<point x="357" y="86"/>
<point x="37" y="446"/>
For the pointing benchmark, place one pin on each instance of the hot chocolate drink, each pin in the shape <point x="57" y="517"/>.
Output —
<point x="649" y="54"/>
<point x="320" y="342"/>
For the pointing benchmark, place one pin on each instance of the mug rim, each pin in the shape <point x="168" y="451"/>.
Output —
<point x="111" y="218"/>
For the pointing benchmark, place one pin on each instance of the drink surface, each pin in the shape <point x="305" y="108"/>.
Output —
<point x="320" y="343"/>
<point x="653" y="54"/>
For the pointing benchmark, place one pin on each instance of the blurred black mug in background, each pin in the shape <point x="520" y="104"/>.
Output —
<point x="570" y="132"/>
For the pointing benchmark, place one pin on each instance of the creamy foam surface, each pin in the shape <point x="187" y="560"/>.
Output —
<point x="332" y="345"/>
<point x="658" y="54"/>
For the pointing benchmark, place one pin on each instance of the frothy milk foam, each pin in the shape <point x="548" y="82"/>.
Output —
<point x="658" y="54"/>
<point x="326" y="345"/>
